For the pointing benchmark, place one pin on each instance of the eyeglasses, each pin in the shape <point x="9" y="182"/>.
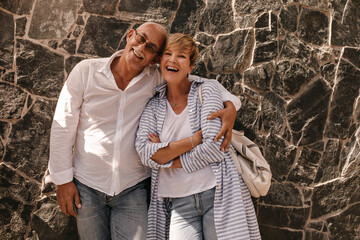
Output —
<point x="150" y="47"/>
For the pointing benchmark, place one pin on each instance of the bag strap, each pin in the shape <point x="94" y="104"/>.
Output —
<point x="200" y="94"/>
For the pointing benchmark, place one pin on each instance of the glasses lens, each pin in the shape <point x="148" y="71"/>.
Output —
<point x="141" y="39"/>
<point x="150" y="48"/>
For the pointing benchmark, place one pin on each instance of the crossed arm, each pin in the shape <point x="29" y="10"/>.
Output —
<point x="174" y="149"/>
<point x="155" y="154"/>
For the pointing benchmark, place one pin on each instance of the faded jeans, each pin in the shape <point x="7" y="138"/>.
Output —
<point x="192" y="217"/>
<point x="104" y="217"/>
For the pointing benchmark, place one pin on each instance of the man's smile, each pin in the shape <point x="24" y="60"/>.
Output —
<point x="137" y="53"/>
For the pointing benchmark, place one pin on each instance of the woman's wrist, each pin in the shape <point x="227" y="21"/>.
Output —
<point x="192" y="141"/>
<point x="196" y="138"/>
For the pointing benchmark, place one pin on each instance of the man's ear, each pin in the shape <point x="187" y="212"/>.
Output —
<point x="130" y="34"/>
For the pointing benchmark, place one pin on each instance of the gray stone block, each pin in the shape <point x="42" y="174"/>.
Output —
<point x="313" y="27"/>
<point x="27" y="145"/>
<point x="39" y="70"/>
<point x="6" y="40"/>
<point x="48" y="24"/>
<point x="217" y="18"/>
<point x="12" y="101"/>
<point x="102" y="36"/>
<point x="345" y="23"/>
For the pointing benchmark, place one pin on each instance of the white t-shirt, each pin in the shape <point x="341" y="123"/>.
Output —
<point x="175" y="182"/>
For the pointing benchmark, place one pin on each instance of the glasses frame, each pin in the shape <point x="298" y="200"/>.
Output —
<point x="150" y="47"/>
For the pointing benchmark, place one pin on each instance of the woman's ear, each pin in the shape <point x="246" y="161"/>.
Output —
<point x="191" y="68"/>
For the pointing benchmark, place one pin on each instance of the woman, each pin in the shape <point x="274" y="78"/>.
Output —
<point x="196" y="192"/>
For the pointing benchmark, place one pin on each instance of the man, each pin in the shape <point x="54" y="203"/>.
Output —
<point x="93" y="160"/>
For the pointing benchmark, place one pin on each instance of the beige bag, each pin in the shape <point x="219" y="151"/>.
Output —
<point x="250" y="163"/>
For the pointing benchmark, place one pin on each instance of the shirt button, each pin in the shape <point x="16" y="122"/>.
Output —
<point x="218" y="186"/>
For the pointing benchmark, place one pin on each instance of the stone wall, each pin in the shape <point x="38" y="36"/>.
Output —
<point x="294" y="64"/>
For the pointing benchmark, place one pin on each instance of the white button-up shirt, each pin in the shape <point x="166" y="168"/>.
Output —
<point x="95" y="123"/>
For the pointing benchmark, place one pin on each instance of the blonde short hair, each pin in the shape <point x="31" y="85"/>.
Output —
<point x="181" y="41"/>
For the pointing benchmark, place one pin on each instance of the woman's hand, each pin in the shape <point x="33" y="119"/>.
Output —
<point x="228" y="117"/>
<point x="154" y="138"/>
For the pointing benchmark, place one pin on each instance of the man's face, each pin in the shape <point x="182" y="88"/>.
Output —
<point x="143" y="46"/>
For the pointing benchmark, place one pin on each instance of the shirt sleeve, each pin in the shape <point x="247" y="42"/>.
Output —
<point x="64" y="128"/>
<point x="144" y="147"/>
<point x="226" y="95"/>
<point x="209" y="151"/>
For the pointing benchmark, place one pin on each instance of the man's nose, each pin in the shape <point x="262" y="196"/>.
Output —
<point x="142" y="46"/>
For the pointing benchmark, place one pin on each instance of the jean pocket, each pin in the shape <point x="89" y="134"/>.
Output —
<point x="167" y="205"/>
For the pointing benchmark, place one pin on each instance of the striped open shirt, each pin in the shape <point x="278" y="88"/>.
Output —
<point x="234" y="212"/>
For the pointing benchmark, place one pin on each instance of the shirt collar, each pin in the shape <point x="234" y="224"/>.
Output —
<point x="161" y="89"/>
<point x="107" y="70"/>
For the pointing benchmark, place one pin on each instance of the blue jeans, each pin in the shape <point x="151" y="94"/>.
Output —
<point x="192" y="217"/>
<point x="123" y="216"/>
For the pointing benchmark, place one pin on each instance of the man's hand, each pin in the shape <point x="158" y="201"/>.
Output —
<point x="228" y="117"/>
<point x="66" y="195"/>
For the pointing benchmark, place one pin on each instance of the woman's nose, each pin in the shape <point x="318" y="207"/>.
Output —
<point x="172" y="58"/>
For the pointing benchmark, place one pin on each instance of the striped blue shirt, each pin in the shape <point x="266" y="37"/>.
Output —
<point x="234" y="212"/>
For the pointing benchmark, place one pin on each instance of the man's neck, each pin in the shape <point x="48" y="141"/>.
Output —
<point x="122" y="72"/>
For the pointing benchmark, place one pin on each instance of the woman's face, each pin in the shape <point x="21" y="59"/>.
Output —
<point x="175" y="64"/>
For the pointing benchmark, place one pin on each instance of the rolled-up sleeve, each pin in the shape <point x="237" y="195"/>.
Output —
<point x="144" y="147"/>
<point x="226" y="95"/>
<point x="209" y="151"/>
